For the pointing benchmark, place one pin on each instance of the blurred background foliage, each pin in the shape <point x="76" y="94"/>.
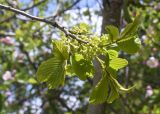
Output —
<point x="24" y="44"/>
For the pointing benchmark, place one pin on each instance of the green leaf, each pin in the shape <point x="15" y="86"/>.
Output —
<point x="60" y="50"/>
<point x="130" y="46"/>
<point x="100" y="92"/>
<point x="69" y="71"/>
<point x="118" y="63"/>
<point x="112" y="72"/>
<point x="119" y="86"/>
<point x="128" y="42"/>
<point x="131" y="28"/>
<point x="112" y="54"/>
<point x="115" y="88"/>
<point x="82" y="68"/>
<point x="113" y="92"/>
<point x="52" y="71"/>
<point x="113" y="32"/>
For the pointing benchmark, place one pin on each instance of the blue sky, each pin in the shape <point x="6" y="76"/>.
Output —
<point x="52" y="5"/>
<point x="82" y="3"/>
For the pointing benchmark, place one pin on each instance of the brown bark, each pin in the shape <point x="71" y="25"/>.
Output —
<point x="111" y="13"/>
<point x="111" y="16"/>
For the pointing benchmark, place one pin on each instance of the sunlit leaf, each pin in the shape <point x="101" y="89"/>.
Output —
<point x="118" y="63"/>
<point x="130" y="46"/>
<point x="82" y="68"/>
<point x="60" y="50"/>
<point x="112" y="54"/>
<point x="131" y="28"/>
<point x="52" y="71"/>
<point x="113" y="32"/>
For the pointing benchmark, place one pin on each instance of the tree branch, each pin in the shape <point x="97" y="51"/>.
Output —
<point x="34" y="5"/>
<point x="25" y="9"/>
<point x="34" y="18"/>
<point x="59" y="12"/>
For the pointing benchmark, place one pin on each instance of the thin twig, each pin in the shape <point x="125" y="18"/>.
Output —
<point x="59" y="12"/>
<point x="75" y="3"/>
<point x="52" y="23"/>
<point x="34" y="5"/>
<point x="25" y="9"/>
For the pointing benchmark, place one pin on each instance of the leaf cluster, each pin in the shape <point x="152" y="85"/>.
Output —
<point x="76" y="58"/>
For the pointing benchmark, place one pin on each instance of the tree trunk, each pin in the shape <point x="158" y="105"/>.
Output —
<point x="111" y="13"/>
<point x="111" y="16"/>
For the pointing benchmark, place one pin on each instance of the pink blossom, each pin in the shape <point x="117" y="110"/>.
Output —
<point x="7" y="76"/>
<point x="7" y="41"/>
<point x="152" y="62"/>
<point x="149" y="91"/>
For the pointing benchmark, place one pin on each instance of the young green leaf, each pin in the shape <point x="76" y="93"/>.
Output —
<point x="130" y="46"/>
<point x="118" y="63"/>
<point x="100" y="92"/>
<point x="60" y="50"/>
<point x="113" y="32"/>
<point x="131" y="28"/>
<point x="82" y="68"/>
<point x="112" y="54"/>
<point x="52" y="71"/>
